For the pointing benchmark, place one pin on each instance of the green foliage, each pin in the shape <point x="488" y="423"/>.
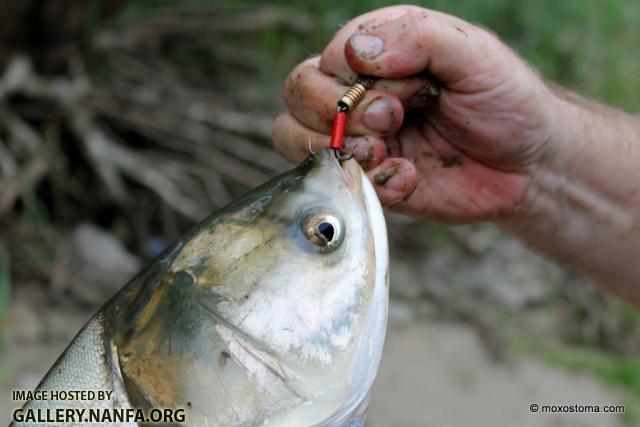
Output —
<point x="588" y="45"/>
<point x="5" y="299"/>
<point x="5" y="282"/>
<point x="592" y="318"/>
<point x="617" y="372"/>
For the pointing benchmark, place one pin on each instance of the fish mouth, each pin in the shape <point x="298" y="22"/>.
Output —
<point x="350" y="173"/>
<point x="354" y="175"/>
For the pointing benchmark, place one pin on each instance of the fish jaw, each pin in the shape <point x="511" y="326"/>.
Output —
<point x="372" y="341"/>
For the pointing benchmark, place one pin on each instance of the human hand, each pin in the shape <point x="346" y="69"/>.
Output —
<point x="465" y="154"/>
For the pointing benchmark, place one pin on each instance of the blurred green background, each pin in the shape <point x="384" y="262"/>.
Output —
<point x="124" y="122"/>
<point x="587" y="45"/>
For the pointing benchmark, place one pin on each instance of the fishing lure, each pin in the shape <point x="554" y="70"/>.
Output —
<point x="347" y="103"/>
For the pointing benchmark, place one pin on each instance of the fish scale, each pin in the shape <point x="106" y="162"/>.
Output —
<point x="83" y="366"/>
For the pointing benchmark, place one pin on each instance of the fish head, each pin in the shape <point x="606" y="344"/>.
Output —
<point x="274" y="307"/>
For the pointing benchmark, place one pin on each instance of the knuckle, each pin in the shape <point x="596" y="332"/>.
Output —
<point x="280" y="128"/>
<point x="290" y="89"/>
<point x="295" y="80"/>
<point x="418" y="25"/>
<point x="280" y="123"/>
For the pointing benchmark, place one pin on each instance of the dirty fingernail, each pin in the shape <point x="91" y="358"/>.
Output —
<point x="391" y="178"/>
<point x="368" y="150"/>
<point x="379" y="115"/>
<point x="365" y="46"/>
<point x="362" y="151"/>
<point x="381" y="178"/>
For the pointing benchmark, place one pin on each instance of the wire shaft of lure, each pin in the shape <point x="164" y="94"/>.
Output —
<point x="348" y="102"/>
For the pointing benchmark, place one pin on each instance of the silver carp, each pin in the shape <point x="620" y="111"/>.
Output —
<point x="271" y="312"/>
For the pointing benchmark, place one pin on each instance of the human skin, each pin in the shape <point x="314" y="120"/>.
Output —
<point x="459" y="129"/>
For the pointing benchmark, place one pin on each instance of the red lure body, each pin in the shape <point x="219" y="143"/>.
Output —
<point x="337" y="133"/>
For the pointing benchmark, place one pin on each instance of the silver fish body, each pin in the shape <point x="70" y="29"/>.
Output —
<point x="271" y="312"/>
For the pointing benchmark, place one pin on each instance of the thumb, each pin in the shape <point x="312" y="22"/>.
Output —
<point x="422" y="40"/>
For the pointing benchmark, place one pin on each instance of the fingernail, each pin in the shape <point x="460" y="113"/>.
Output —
<point x="379" y="115"/>
<point x="365" y="46"/>
<point x="368" y="150"/>
<point x="393" y="178"/>
<point x="361" y="149"/>
<point x="381" y="178"/>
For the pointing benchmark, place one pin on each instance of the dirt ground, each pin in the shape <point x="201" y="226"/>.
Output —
<point x="432" y="374"/>
<point x="438" y="374"/>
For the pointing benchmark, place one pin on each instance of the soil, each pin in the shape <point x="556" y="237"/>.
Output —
<point x="439" y="374"/>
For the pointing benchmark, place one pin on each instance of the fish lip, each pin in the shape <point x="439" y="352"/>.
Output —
<point x="369" y="360"/>
<point x="354" y="178"/>
<point x="350" y="171"/>
<point x="354" y="174"/>
<point x="349" y="166"/>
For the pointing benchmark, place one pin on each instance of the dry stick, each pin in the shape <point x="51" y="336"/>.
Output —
<point x="8" y="165"/>
<point x="203" y="137"/>
<point x="109" y="158"/>
<point x="249" y="151"/>
<point x="20" y="78"/>
<point x="21" y="133"/>
<point x="156" y="174"/>
<point x="167" y="177"/>
<point x="191" y="104"/>
<point x="30" y="175"/>
<point x="233" y="121"/>
<point x="202" y="22"/>
<point x="464" y="308"/>
<point x="191" y="141"/>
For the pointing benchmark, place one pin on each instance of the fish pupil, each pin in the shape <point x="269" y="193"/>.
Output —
<point x="327" y="230"/>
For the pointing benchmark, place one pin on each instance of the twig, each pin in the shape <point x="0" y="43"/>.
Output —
<point x="203" y="137"/>
<point x="465" y="309"/>
<point x="8" y="166"/>
<point x="159" y="176"/>
<point x="14" y="187"/>
<point x="232" y="121"/>
<point x="19" y="77"/>
<point x="202" y="22"/>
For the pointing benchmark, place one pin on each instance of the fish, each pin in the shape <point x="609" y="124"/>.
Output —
<point x="270" y="312"/>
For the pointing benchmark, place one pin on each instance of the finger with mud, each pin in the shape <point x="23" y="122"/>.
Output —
<point x="295" y="141"/>
<point x="312" y="96"/>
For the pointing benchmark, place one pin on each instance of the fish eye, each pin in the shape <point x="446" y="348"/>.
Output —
<point x="322" y="229"/>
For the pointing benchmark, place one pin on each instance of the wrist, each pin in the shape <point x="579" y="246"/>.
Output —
<point x="582" y="204"/>
<point x="577" y="160"/>
<point x="549" y="167"/>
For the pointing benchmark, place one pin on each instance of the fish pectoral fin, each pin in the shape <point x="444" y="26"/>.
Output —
<point x="240" y="340"/>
